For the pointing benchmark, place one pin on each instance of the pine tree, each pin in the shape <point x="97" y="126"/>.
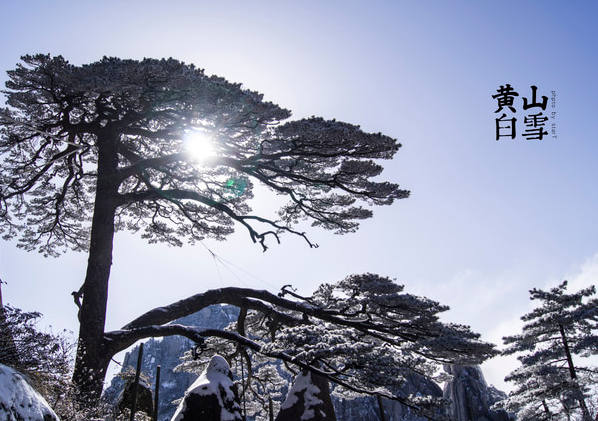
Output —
<point x="89" y="150"/>
<point x="364" y="334"/>
<point x="122" y="144"/>
<point x="551" y="384"/>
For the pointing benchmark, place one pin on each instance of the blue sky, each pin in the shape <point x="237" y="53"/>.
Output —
<point x="486" y="220"/>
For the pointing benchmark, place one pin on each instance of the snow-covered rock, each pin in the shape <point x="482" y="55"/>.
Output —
<point x="19" y="401"/>
<point x="470" y="397"/>
<point x="308" y="400"/>
<point x="212" y="397"/>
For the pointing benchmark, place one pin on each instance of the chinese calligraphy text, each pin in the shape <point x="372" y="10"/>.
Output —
<point x="534" y="120"/>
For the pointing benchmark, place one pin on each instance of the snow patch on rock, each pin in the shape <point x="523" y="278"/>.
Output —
<point x="19" y="401"/>
<point x="307" y="399"/>
<point x="303" y="384"/>
<point x="215" y="381"/>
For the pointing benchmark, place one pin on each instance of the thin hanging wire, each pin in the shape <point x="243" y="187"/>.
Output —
<point x="246" y="272"/>
<point x="230" y="267"/>
<point x="214" y="259"/>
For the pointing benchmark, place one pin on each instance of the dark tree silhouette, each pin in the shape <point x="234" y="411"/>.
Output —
<point x="549" y="382"/>
<point x="88" y="150"/>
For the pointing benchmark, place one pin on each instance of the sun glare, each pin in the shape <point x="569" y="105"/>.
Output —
<point x="199" y="145"/>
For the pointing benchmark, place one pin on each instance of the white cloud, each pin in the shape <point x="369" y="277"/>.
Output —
<point x="586" y="276"/>
<point x="497" y="368"/>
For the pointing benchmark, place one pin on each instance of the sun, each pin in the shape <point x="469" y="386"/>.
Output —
<point x="199" y="145"/>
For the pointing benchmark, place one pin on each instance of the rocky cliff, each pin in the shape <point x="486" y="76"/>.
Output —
<point x="368" y="409"/>
<point x="470" y="397"/>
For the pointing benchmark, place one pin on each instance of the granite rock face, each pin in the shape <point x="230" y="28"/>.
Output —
<point x="368" y="409"/>
<point x="470" y="397"/>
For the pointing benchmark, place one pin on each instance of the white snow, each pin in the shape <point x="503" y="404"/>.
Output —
<point x="303" y="383"/>
<point x="19" y="401"/>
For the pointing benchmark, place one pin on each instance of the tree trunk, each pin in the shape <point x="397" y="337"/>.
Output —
<point x="93" y="356"/>
<point x="582" y="403"/>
